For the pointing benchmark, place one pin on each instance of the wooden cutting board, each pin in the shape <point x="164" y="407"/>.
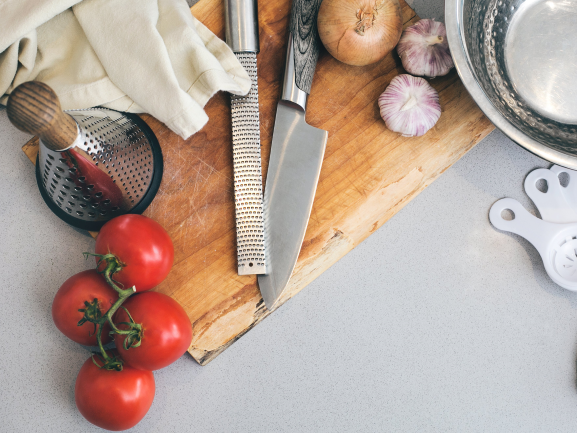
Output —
<point x="368" y="175"/>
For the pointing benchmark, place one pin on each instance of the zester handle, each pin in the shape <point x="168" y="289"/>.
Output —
<point x="33" y="107"/>
<point x="302" y="51"/>
<point x="241" y="28"/>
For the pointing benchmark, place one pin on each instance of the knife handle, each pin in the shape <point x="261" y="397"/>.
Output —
<point x="302" y="51"/>
<point x="241" y="25"/>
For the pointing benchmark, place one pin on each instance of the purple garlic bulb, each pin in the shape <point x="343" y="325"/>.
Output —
<point x="410" y="106"/>
<point x="424" y="49"/>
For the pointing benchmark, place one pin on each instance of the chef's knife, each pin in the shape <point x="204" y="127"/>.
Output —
<point x="296" y="156"/>
<point x="242" y="36"/>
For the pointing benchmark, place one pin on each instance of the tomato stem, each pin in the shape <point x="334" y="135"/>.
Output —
<point x="91" y="312"/>
<point x="112" y="265"/>
<point x="102" y="351"/>
<point x="108" y="316"/>
<point x="133" y="334"/>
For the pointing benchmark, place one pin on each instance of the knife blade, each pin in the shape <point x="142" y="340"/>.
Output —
<point x="241" y="18"/>
<point x="296" y="157"/>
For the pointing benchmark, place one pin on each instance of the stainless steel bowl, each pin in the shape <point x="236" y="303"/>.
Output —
<point x="518" y="60"/>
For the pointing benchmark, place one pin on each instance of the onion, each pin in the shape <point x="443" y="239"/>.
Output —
<point x="360" y="32"/>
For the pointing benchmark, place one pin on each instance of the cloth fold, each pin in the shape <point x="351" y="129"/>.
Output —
<point x="129" y="55"/>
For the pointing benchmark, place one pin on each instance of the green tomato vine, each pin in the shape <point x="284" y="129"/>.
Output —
<point x="93" y="314"/>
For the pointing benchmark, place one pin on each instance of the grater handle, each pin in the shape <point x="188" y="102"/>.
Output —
<point x="33" y="107"/>
<point x="241" y="28"/>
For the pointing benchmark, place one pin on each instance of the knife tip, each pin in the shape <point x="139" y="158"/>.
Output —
<point x="268" y="292"/>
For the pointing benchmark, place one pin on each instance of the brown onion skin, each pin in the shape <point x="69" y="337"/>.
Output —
<point x="341" y="24"/>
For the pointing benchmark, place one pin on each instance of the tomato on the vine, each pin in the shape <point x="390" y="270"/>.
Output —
<point x="85" y="287"/>
<point x="166" y="330"/>
<point x="142" y="245"/>
<point x="113" y="400"/>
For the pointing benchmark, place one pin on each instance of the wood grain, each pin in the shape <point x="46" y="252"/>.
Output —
<point x="33" y="107"/>
<point x="368" y="174"/>
<point x="306" y="41"/>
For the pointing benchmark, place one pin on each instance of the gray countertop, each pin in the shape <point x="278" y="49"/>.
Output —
<point x="436" y="323"/>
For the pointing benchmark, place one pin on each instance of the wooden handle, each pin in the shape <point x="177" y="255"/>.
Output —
<point x="306" y="41"/>
<point x="33" y="107"/>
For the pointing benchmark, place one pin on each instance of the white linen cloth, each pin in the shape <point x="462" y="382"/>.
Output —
<point x="129" y="55"/>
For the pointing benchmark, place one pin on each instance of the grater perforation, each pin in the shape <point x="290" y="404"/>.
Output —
<point x="115" y="145"/>
<point x="248" y="175"/>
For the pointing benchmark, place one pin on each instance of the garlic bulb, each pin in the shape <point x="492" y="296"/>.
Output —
<point x="424" y="49"/>
<point x="409" y="106"/>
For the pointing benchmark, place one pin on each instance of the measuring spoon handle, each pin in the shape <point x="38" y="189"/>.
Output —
<point x="570" y="190"/>
<point x="536" y="231"/>
<point x="552" y="204"/>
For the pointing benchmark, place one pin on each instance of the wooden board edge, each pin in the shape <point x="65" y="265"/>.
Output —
<point x="204" y="357"/>
<point x="31" y="149"/>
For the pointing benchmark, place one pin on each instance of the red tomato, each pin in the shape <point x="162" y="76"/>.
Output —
<point x="166" y="335"/>
<point x="142" y="245"/>
<point x="113" y="400"/>
<point x="84" y="286"/>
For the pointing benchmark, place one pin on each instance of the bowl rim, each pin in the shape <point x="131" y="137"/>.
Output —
<point x="454" y="26"/>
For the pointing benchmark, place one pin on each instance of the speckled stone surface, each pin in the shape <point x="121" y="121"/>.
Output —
<point x="434" y="9"/>
<point x="436" y="323"/>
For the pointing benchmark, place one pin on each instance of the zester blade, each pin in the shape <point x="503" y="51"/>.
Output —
<point x="250" y="237"/>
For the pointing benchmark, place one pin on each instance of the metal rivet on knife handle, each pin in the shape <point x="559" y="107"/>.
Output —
<point x="242" y="37"/>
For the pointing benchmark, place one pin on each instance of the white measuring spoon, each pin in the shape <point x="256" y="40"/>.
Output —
<point x="570" y="191"/>
<point x="556" y="243"/>
<point x="553" y="205"/>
